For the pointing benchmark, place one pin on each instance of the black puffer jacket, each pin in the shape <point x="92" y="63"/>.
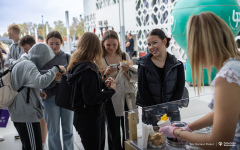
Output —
<point x="151" y="89"/>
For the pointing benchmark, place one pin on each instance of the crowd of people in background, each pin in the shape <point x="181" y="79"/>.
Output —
<point x="102" y="82"/>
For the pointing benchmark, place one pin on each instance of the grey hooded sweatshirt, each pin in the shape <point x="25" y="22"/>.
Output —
<point x="15" y="52"/>
<point x="26" y="73"/>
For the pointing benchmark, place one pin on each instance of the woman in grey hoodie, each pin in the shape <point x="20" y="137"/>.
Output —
<point x="26" y="110"/>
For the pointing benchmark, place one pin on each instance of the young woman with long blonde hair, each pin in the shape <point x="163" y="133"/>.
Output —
<point x="211" y="43"/>
<point x="89" y="91"/>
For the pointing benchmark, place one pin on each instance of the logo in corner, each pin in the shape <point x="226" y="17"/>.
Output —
<point x="235" y="17"/>
<point x="220" y="143"/>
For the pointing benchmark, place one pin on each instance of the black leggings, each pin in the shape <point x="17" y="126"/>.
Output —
<point x="30" y="134"/>
<point x="114" y="124"/>
<point x="91" y="131"/>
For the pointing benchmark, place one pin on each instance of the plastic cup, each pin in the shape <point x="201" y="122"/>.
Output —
<point x="166" y="123"/>
<point x="123" y="63"/>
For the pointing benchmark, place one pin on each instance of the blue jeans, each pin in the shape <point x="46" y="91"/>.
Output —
<point x="53" y="114"/>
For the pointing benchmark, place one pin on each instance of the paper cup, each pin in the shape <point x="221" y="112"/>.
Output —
<point x="113" y="65"/>
<point x="166" y="123"/>
<point x="123" y="63"/>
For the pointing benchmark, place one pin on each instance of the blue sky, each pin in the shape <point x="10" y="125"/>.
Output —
<point x="20" y="11"/>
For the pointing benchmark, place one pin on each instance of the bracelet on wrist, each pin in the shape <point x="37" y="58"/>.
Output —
<point x="178" y="133"/>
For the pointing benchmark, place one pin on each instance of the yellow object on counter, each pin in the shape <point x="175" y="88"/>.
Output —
<point x="164" y="117"/>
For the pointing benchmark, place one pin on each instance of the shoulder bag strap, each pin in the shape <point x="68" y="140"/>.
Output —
<point x="123" y="56"/>
<point x="67" y="58"/>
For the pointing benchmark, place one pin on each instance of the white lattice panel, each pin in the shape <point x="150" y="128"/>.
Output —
<point x="156" y="14"/>
<point x="149" y="14"/>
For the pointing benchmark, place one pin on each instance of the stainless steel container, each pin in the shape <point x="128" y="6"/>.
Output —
<point x="174" y="142"/>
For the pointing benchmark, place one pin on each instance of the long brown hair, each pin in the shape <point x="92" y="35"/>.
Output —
<point x="110" y="34"/>
<point x="1" y="57"/>
<point x="88" y="50"/>
<point x="209" y="42"/>
<point x="2" y="47"/>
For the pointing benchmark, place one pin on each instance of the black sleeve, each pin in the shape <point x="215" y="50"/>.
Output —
<point x="103" y="83"/>
<point x="68" y="58"/>
<point x="144" y="97"/>
<point x="178" y="94"/>
<point x="131" y="41"/>
<point x="91" y="90"/>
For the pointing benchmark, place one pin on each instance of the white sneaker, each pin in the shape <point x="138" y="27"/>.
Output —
<point x="44" y="146"/>
<point x="1" y="138"/>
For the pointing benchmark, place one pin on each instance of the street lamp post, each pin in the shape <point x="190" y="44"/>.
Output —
<point x="36" y="34"/>
<point x="47" y="30"/>
<point x="68" y="31"/>
<point x="43" y="28"/>
<point x="122" y="25"/>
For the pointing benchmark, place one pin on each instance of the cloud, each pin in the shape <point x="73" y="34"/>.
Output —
<point x="20" y="11"/>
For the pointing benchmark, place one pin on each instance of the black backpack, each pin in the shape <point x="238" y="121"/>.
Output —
<point x="63" y="95"/>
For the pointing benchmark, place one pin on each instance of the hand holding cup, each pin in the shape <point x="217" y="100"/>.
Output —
<point x="125" y="67"/>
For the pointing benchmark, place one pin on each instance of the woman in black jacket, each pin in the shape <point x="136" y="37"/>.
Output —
<point x="87" y="91"/>
<point x="161" y="76"/>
